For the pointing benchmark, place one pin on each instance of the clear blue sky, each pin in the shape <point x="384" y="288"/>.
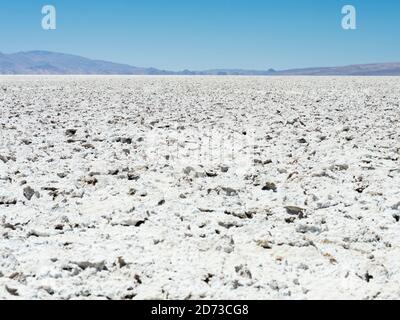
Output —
<point x="202" y="34"/>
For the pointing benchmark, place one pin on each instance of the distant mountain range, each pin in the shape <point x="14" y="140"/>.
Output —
<point x="52" y="63"/>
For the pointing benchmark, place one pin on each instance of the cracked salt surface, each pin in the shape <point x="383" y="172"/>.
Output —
<point x="199" y="188"/>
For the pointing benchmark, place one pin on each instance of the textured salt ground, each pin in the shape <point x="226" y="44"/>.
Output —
<point x="199" y="188"/>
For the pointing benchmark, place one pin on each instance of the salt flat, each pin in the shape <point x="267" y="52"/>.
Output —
<point x="199" y="188"/>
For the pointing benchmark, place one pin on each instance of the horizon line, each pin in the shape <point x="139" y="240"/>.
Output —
<point x="270" y="69"/>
